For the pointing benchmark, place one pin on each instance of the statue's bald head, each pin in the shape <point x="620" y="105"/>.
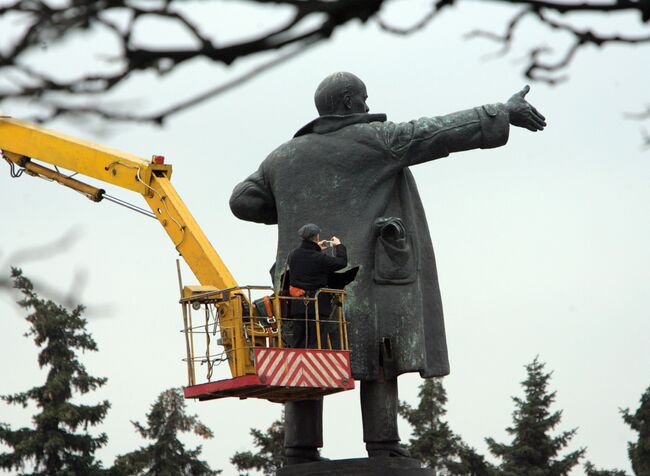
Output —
<point x="341" y="93"/>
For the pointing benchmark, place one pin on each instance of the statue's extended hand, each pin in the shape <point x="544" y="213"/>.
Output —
<point x="523" y="114"/>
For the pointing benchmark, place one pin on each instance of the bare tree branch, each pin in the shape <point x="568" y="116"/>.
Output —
<point x="641" y="6"/>
<point x="639" y="115"/>
<point x="50" y="24"/>
<point x="436" y="7"/>
<point x="69" y="298"/>
<point x="642" y="116"/>
<point x="309" y="22"/>
<point x="536" y="67"/>
<point x="42" y="252"/>
<point x="57" y="109"/>
<point x="505" y="39"/>
<point x="646" y="139"/>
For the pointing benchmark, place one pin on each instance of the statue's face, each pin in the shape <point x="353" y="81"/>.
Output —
<point x="356" y="101"/>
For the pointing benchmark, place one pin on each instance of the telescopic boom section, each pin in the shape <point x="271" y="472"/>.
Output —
<point x="20" y="142"/>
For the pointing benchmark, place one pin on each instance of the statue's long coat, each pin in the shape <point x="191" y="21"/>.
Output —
<point x="345" y="172"/>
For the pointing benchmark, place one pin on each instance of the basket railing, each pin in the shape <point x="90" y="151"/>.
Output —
<point x="221" y="326"/>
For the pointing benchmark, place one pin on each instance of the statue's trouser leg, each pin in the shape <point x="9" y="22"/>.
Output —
<point x="303" y="430"/>
<point x="379" y="410"/>
<point x="379" y="402"/>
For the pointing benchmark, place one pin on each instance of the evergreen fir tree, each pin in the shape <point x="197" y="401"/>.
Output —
<point x="54" y="446"/>
<point x="270" y="455"/>
<point x="433" y="442"/>
<point x="639" y="421"/>
<point x="591" y="470"/>
<point x="533" y="451"/>
<point x="166" y="456"/>
<point x="470" y="463"/>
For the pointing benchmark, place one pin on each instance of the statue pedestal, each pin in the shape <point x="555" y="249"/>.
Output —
<point x="380" y="466"/>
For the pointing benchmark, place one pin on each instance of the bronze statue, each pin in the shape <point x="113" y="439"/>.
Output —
<point x="348" y="171"/>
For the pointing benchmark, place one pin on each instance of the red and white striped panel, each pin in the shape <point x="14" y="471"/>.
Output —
<point x="303" y="367"/>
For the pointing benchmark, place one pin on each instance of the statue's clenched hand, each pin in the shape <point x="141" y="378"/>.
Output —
<point x="523" y="114"/>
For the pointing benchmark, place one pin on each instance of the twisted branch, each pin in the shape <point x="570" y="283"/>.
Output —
<point x="436" y="7"/>
<point x="50" y="24"/>
<point x="83" y="94"/>
<point x="536" y="68"/>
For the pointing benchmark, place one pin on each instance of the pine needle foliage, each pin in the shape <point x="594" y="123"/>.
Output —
<point x="534" y="451"/>
<point x="167" y="455"/>
<point x="270" y="455"/>
<point x="433" y="442"/>
<point x="639" y="421"/>
<point x="591" y="470"/>
<point x="58" y="443"/>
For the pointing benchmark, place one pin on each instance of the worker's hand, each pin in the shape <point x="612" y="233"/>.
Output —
<point x="335" y="241"/>
<point x="523" y="114"/>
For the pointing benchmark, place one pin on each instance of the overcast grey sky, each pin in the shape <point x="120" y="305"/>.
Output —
<point x="542" y="245"/>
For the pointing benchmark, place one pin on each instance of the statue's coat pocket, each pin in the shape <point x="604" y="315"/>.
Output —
<point x="395" y="258"/>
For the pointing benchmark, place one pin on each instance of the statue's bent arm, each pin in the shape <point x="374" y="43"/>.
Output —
<point x="251" y="200"/>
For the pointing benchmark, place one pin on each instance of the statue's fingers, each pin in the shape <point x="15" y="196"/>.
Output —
<point x="529" y="125"/>
<point x="538" y="122"/>
<point x="534" y="125"/>
<point x="524" y="91"/>
<point x="538" y="114"/>
<point x="540" y="119"/>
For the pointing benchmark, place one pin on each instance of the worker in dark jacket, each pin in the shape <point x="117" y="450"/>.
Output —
<point x="309" y="268"/>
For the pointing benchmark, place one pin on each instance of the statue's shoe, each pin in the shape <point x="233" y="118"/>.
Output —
<point x="302" y="455"/>
<point x="390" y="448"/>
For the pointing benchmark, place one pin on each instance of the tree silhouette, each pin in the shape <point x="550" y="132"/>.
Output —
<point x="591" y="470"/>
<point x="167" y="455"/>
<point x="533" y="450"/>
<point x="433" y="442"/>
<point x="59" y="442"/>
<point x="639" y="421"/>
<point x="270" y="455"/>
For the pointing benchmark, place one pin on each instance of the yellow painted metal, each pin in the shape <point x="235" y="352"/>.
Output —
<point x="318" y="342"/>
<point x="93" y="160"/>
<point x="20" y="140"/>
<point x="277" y="312"/>
<point x="93" y="193"/>
<point x="186" y="234"/>
<point x="193" y="290"/>
<point x="126" y="171"/>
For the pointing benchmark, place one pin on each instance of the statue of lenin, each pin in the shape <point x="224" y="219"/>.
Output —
<point x="348" y="171"/>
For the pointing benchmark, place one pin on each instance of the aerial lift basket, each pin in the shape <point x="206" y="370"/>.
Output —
<point x="252" y="339"/>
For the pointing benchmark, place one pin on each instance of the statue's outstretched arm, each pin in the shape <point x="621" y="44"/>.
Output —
<point x="482" y="127"/>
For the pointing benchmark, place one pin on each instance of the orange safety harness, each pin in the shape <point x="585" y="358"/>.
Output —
<point x="296" y="292"/>
<point x="267" y="305"/>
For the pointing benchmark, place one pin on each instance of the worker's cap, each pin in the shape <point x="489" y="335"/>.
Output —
<point x="308" y="231"/>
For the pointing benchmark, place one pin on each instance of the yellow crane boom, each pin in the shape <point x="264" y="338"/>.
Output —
<point x="22" y="142"/>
